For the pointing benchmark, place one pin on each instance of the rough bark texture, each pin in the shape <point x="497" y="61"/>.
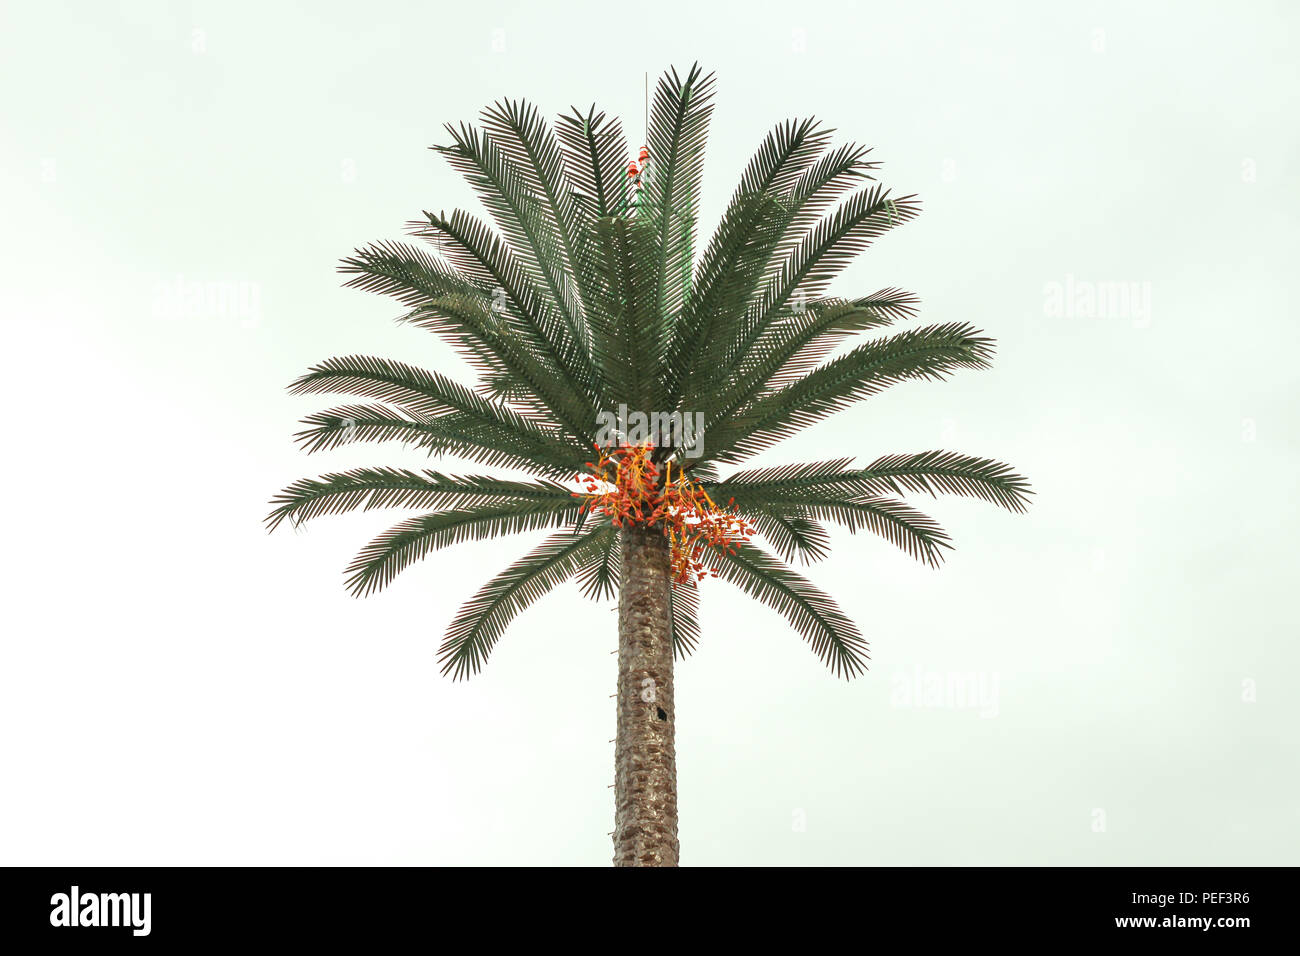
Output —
<point x="645" y="762"/>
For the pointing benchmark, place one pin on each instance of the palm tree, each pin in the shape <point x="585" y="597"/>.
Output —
<point x="586" y="295"/>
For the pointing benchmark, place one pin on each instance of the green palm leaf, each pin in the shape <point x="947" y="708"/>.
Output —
<point x="678" y="130"/>
<point x="932" y="353"/>
<point x="397" y="548"/>
<point x="595" y="158"/>
<point x="530" y="145"/>
<point x="814" y="614"/>
<point x="792" y="533"/>
<point x="431" y="395"/>
<point x="598" y="575"/>
<point x="684" y="618"/>
<point x="895" y="521"/>
<point x="522" y="339"/>
<point x="932" y="472"/>
<point x="625" y="325"/>
<point x="455" y="434"/>
<point x="751" y="226"/>
<point x="484" y="618"/>
<point x="364" y="489"/>
<point x="520" y="213"/>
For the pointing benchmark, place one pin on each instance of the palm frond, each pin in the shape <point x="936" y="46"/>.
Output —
<point x="757" y="232"/>
<point x="895" y="521"/>
<point x="598" y="576"/>
<point x="455" y="434"/>
<point x="519" y="212"/>
<point x="520" y="309"/>
<point x="751" y="225"/>
<point x="792" y="534"/>
<point x="932" y="353"/>
<point x="684" y="618"/>
<point x="813" y="613"/>
<point x="825" y="183"/>
<point x="830" y="246"/>
<point x="818" y="256"/>
<point x="368" y="488"/>
<point x="494" y="317"/>
<point x="789" y="478"/>
<point x="625" y="324"/>
<point x="429" y="394"/>
<point x="678" y="129"/>
<point x="530" y="145"/>
<point x="484" y="618"/>
<point x="793" y="344"/>
<point x="419" y="280"/>
<point x="402" y="545"/>
<point x="595" y="153"/>
<point x="932" y="472"/>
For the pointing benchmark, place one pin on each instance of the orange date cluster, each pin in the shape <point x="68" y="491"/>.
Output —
<point x="626" y="484"/>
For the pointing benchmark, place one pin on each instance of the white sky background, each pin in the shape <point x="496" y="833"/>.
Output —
<point x="178" y="687"/>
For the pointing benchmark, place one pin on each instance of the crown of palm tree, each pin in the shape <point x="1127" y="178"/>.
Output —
<point x="584" y="293"/>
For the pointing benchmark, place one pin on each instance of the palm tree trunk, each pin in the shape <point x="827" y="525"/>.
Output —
<point x="645" y="762"/>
